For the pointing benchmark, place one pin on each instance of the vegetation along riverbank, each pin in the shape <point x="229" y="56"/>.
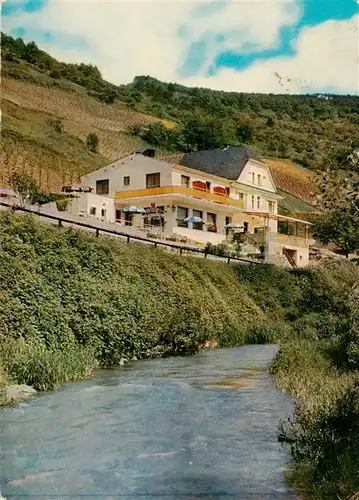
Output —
<point x="70" y="302"/>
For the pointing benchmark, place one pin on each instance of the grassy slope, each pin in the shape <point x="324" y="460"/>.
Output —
<point x="30" y="143"/>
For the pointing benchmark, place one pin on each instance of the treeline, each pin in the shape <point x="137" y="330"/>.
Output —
<point x="179" y="101"/>
<point x="312" y="130"/>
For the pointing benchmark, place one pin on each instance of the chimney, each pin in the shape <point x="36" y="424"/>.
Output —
<point x="149" y="152"/>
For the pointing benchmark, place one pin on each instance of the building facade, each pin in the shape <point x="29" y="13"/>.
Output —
<point x="221" y="188"/>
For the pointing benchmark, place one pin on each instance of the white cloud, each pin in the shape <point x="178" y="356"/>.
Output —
<point x="327" y="56"/>
<point x="141" y="37"/>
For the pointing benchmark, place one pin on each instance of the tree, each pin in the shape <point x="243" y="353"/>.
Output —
<point x="28" y="190"/>
<point x="207" y="133"/>
<point x="31" y="53"/>
<point x="337" y="220"/>
<point x="244" y="132"/>
<point x="92" y="142"/>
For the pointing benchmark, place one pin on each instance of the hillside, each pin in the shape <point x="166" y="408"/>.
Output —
<point x="49" y="108"/>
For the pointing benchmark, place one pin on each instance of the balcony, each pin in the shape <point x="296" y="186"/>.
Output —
<point x="182" y="191"/>
<point x="278" y="238"/>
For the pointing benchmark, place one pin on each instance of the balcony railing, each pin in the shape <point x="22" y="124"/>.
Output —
<point x="280" y="238"/>
<point x="179" y="190"/>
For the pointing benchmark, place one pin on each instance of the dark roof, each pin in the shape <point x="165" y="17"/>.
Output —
<point x="228" y="162"/>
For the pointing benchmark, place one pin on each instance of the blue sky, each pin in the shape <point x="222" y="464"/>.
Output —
<point x="203" y="41"/>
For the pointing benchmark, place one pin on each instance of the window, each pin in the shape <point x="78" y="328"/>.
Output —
<point x="118" y="215"/>
<point x="227" y="191"/>
<point x="103" y="212"/>
<point x="126" y="180"/>
<point x="185" y="180"/>
<point x="93" y="211"/>
<point x="253" y="199"/>
<point x="240" y="196"/>
<point x="211" y="223"/>
<point x="228" y="220"/>
<point x="259" y="179"/>
<point x="153" y="180"/>
<point x="198" y="225"/>
<point x="258" y="202"/>
<point x="208" y="187"/>
<point x="102" y="187"/>
<point x="271" y="207"/>
<point x="253" y="177"/>
<point x="182" y="213"/>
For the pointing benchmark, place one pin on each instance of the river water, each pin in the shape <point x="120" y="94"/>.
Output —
<point x="201" y="427"/>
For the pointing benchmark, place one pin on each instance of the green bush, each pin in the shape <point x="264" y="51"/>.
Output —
<point x="92" y="142"/>
<point x="316" y="325"/>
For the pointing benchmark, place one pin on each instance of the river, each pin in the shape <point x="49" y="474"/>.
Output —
<point x="201" y="427"/>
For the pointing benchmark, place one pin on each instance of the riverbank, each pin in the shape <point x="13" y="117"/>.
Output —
<point x="71" y="303"/>
<point x="320" y="435"/>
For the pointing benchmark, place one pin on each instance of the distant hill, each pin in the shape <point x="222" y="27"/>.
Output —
<point x="50" y="107"/>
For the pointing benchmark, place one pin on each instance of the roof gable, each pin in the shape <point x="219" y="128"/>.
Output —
<point x="267" y="182"/>
<point x="227" y="163"/>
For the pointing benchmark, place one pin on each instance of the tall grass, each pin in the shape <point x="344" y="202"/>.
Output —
<point x="44" y="368"/>
<point x="325" y="422"/>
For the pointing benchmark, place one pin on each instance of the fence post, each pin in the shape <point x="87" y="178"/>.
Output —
<point x="128" y="239"/>
<point x="228" y="260"/>
<point x="59" y="223"/>
<point x="205" y="254"/>
<point x="181" y="250"/>
<point x="97" y="233"/>
<point x="155" y="244"/>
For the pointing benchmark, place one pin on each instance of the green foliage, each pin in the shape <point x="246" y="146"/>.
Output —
<point x="92" y="142"/>
<point x="201" y="133"/>
<point x="337" y="220"/>
<point x="244" y="133"/>
<point x="62" y="204"/>
<point x="28" y="189"/>
<point x="221" y="250"/>
<point x="322" y="443"/>
<point x="45" y="369"/>
<point x="320" y="366"/>
<point x="160" y="136"/>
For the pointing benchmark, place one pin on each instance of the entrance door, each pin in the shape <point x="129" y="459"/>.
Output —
<point x="128" y="219"/>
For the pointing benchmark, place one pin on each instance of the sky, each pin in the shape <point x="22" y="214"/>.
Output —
<point x="269" y="46"/>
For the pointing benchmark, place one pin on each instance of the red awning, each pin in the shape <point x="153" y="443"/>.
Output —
<point x="220" y="190"/>
<point x="199" y="185"/>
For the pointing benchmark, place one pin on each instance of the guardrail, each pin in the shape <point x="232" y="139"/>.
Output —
<point x="129" y="237"/>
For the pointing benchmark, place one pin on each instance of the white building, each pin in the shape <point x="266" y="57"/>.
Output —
<point x="221" y="187"/>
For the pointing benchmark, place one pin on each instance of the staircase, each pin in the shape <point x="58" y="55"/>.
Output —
<point x="289" y="258"/>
